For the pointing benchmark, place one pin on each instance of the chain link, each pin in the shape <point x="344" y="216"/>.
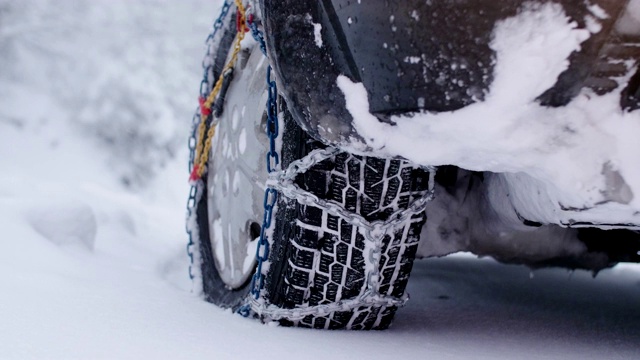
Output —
<point x="205" y="87"/>
<point x="375" y="233"/>
<point x="369" y="299"/>
<point x="272" y="162"/>
<point x="270" y="194"/>
<point x="258" y="36"/>
<point x="285" y="183"/>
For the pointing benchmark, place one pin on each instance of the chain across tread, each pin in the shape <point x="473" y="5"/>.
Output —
<point x="283" y="182"/>
<point x="326" y="277"/>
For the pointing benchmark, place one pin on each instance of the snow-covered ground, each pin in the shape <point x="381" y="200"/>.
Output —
<point x="95" y="103"/>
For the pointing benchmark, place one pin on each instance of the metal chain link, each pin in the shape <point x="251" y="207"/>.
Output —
<point x="375" y="233"/>
<point x="272" y="163"/>
<point x="258" y="36"/>
<point x="272" y="312"/>
<point x="270" y="194"/>
<point x="285" y="182"/>
<point x="205" y="88"/>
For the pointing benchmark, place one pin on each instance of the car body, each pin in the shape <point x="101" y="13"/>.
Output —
<point x="534" y="159"/>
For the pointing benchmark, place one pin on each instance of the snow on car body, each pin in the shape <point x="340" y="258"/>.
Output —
<point x="526" y="112"/>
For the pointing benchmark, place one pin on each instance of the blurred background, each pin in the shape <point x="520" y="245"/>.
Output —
<point x="96" y="103"/>
<point x="122" y="75"/>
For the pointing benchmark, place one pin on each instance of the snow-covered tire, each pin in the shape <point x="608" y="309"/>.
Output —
<point x="318" y="258"/>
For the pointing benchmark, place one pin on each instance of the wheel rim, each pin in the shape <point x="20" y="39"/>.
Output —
<point x="236" y="176"/>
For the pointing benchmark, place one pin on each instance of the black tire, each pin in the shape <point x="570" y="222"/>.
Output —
<point x="373" y="188"/>
<point x="316" y="267"/>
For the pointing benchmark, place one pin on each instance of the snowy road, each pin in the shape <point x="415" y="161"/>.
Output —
<point x="90" y="306"/>
<point x="496" y="311"/>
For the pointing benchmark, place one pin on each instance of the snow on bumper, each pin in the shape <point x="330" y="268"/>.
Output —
<point x="574" y="165"/>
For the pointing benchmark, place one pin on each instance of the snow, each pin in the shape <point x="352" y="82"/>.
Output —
<point x="558" y="155"/>
<point x="64" y="223"/>
<point x="250" y="258"/>
<point x="95" y="267"/>
<point x="317" y="30"/>
<point x="219" y="246"/>
<point x="317" y="33"/>
<point x="242" y="141"/>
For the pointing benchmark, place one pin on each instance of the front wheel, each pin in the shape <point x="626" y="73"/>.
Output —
<point x="318" y="257"/>
<point x="344" y="232"/>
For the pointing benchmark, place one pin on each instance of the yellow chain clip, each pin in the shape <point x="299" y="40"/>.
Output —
<point x="203" y="148"/>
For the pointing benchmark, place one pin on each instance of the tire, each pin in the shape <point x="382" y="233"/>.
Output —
<point x="316" y="261"/>
<point x="311" y="262"/>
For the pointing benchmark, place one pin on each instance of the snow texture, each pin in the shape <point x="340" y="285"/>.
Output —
<point x="95" y="269"/>
<point x="116" y="70"/>
<point x="568" y="155"/>
<point x="317" y="31"/>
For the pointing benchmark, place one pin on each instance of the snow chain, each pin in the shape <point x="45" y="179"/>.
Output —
<point x="282" y="182"/>
<point x="374" y="233"/>
<point x="207" y="124"/>
<point x="205" y="87"/>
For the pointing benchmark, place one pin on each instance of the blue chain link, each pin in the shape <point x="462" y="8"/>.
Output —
<point x="272" y="157"/>
<point x="258" y="36"/>
<point x="270" y="194"/>
<point x="272" y="123"/>
<point x="273" y="160"/>
<point x="205" y="87"/>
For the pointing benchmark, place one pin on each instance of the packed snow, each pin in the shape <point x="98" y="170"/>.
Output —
<point x="567" y="157"/>
<point x="96" y="100"/>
